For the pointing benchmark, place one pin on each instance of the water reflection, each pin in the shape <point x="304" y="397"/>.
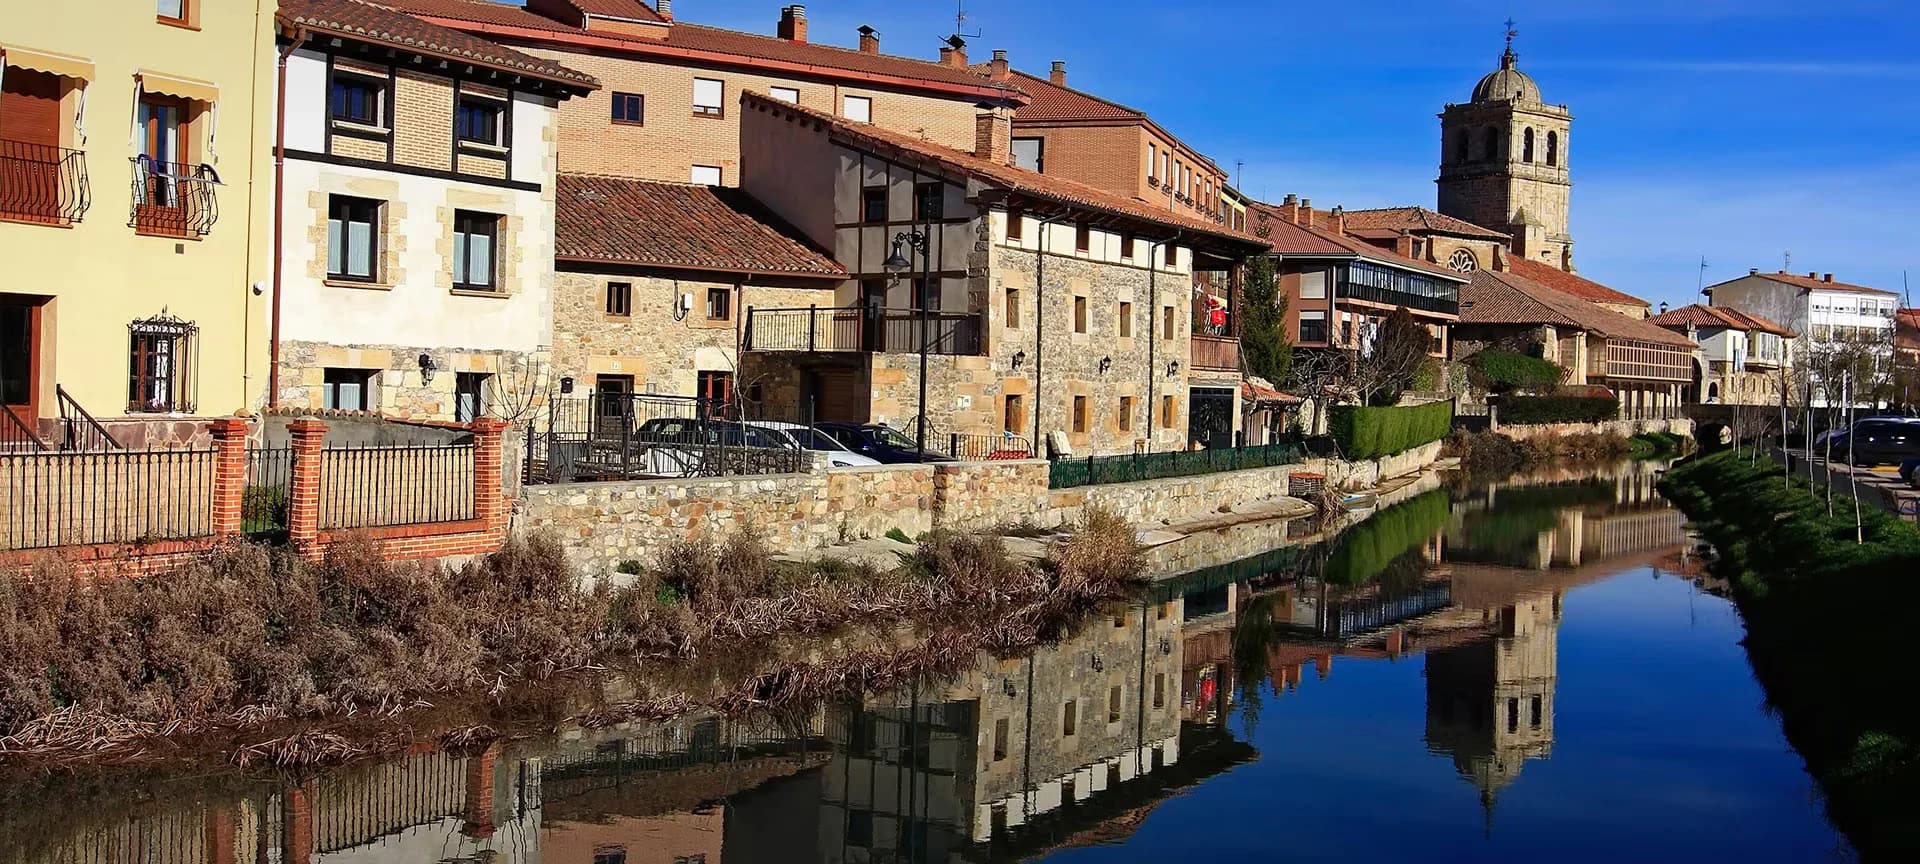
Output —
<point x="1074" y="747"/>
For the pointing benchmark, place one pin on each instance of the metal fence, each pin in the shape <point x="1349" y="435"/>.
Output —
<point x="985" y="448"/>
<point x="43" y="183"/>
<point x="376" y="486"/>
<point x="263" y="504"/>
<point x="631" y="436"/>
<point x="870" y="329"/>
<point x="76" y="499"/>
<point x="1098" y="470"/>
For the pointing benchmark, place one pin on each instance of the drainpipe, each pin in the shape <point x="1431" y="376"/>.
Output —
<point x="298" y="36"/>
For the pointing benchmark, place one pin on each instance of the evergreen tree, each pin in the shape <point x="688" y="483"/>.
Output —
<point x="1263" y="332"/>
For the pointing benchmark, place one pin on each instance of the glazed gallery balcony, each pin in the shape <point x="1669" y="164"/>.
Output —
<point x="1392" y="287"/>
<point x="871" y="330"/>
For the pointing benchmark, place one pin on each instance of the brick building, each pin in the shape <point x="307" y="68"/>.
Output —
<point x="1436" y="238"/>
<point x="1743" y="357"/>
<point x="417" y="210"/>
<point x="1051" y="306"/>
<point x="670" y="88"/>
<point x="1503" y="163"/>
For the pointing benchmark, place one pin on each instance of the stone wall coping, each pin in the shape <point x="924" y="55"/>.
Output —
<point x="551" y="489"/>
<point x="988" y="463"/>
<point x="909" y="467"/>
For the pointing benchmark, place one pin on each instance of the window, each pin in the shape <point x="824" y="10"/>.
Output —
<point x="474" y="237"/>
<point x="1490" y="145"/>
<point x="1513" y="714"/>
<point x="1079" y="314"/>
<point x="476" y="120"/>
<point x="469" y="396"/>
<point x="873" y="204"/>
<point x="1079" y="415"/>
<point x="1172" y="255"/>
<point x="859" y="109"/>
<point x="1533" y="714"/>
<point x="1553" y="147"/>
<point x="347" y="389"/>
<point x="1125" y="323"/>
<point x="1069" y="718"/>
<point x="1000" y="739"/>
<point x="1165" y="175"/>
<point x="927" y="295"/>
<point x="620" y="299"/>
<point x="785" y="94"/>
<point x="357" y="99"/>
<point x="1126" y="414"/>
<point x="704" y="175"/>
<point x="160" y="357"/>
<point x="1126" y="247"/>
<point x="707" y="96"/>
<point x="1030" y="153"/>
<point x="1113" y="704"/>
<point x="1169" y="412"/>
<point x="172" y="11"/>
<point x="715" y="389"/>
<point x="630" y="108"/>
<point x="1166" y="322"/>
<point x="1313" y="326"/>
<point x="1014" y="418"/>
<point x="1313" y="285"/>
<point x="860" y="828"/>
<point x="1461" y="151"/>
<point x="1082" y="237"/>
<point x="927" y="203"/>
<point x="1016" y="225"/>
<point x="1463" y="261"/>
<point x="353" y="238"/>
<point x="719" y="303"/>
<point x="1526" y="144"/>
<point x="1013" y="307"/>
<point x="1153" y="161"/>
<point x="1159" y="689"/>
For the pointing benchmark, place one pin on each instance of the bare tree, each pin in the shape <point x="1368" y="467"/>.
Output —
<point x="516" y="391"/>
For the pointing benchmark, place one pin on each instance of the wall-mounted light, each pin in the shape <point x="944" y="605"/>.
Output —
<point x="1105" y="364"/>
<point x="1019" y="358"/>
<point x="1173" y="368"/>
<point x="427" y="368"/>
<point x="1006" y="686"/>
<point x="1166" y="646"/>
<point x="1099" y="665"/>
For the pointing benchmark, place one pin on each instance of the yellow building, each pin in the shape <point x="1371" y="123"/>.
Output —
<point x="135" y="184"/>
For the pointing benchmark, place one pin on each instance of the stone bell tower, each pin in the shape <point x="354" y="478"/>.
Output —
<point x="1503" y="162"/>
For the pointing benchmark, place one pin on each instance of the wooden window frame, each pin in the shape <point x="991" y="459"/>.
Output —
<point x="1079" y="311"/>
<point x="147" y="215"/>
<point x="714" y="111"/>
<point x="620" y="99"/>
<point x="867" y="197"/>
<point x="344" y="204"/>
<point x="1126" y="413"/>
<point x="492" y="221"/>
<point x="933" y="193"/>
<point x="1013" y="308"/>
<point x="1016" y="225"/>
<point x="618" y="299"/>
<point x="461" y="380"/>
<point x="1080" y="419"/>
<point x="724" y="295"/>
<point x="499" y="110"/>
<point x="379" y="89"/>
<point x="1126" y="247"/>
<point x="188" y="17"/>
<point x="1083" y="236"/>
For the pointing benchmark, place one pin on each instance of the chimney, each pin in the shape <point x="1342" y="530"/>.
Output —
<point x="954" y="53"/>
<point x="1339" y="219"/>
<point x="1826" y="277"/>
<point x="793" y="23"/>
<point x="993" y="135"/>
<point x="665" y="8"/>
<point x="1306" y="213"/>
<point x="1403" y="244"/>
<point x="1813" y="274"/>
<point x="1058" y="75"/>
<point x="998" y="70"/>
<point x="1753" y="271"/>
<point x="869" y="40"/>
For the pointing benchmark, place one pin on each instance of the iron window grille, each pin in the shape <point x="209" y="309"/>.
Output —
<point x="161" y="359"/>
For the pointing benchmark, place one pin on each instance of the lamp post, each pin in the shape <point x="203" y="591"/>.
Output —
<point x="896" y="264"/>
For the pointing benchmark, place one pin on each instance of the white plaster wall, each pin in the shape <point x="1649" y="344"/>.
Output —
<point x="307" y="101"/>
<point x="1102" y="246"/>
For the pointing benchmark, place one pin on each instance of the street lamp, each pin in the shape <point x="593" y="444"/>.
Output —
<point x="897" y="263"/>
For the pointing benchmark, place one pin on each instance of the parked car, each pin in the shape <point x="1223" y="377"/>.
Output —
<point x="1882" y="439"/>
<point x="798" y="437"/>
<point x="1907" y="471"/>
<point x="884" y="443"/>
<point x="1835" y="439"/>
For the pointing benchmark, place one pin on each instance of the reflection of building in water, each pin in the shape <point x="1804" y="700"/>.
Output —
<point x="1490" y="702"/>
<point x="1567" y="524"/>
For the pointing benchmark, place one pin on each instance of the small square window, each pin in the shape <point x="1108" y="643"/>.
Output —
<point x="709" y="95"/>
<point x="630" y="108"/>
<point x="1030" y="153"/>
<point x="1079" y="314"/>
<point x="1082" y="237"/>
<point x="704" y="175"/>
<point x="785" y="94"/>
<point x="173" y="11"/>
<point x="1126" y="319"/>
<point x="859" y="109"/>
<point x="347" y="389"/>
<point x="476" y="120"/>
<point x="719" y="303"/>
<point x="873" y="204"/>
<point x="620" y="299"/>
<point x="1079" y="415"/>
<point x="357" y="99"/>
<point x="475" y="236"/>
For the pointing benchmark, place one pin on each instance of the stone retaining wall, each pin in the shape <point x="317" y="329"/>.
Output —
<point x="1622" y="428"/>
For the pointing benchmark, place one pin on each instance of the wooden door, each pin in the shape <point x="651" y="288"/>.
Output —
<point x="19" y="364"/>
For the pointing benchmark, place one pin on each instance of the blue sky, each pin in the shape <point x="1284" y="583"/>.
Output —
<point x="1734" y="129"/>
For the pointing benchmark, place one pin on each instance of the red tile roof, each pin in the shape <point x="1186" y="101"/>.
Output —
<point x="1508" y="298"/>
<point x="632" y="10"/>
<point x="1311" y="240"/>
<point x="1065" y="103"/>
<point x="1716" y="316"/>
<point x="1416" y="219"/>
<point x="503" y="21"/>
<point x="1018" y="181"/>
<point x="1906" y="329"/>
<point x="1812" y="283"/>
<point x="1568" y="283"/>
<point x="353" y="19"/>
<point x="614" y="220"/>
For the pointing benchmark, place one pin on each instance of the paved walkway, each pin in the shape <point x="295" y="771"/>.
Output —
<point x="1879" y="487"/>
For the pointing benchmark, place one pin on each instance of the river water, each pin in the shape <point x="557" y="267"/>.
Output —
<point x="1512" y="671"/>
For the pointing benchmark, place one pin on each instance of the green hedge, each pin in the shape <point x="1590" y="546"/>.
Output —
<point x="1525" y="410"/>
<point x="1501" y="371"/>
<point x="1370" y="433"/>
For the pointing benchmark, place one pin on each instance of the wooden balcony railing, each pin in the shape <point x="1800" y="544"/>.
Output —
<point x="1215" y="353"/>
<point x="862" y="329"/>
<point x="173" y="199"/>
<point x="42" y="183"/>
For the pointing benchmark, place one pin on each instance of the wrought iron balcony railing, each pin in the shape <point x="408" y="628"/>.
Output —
<point x="862" y="329"/>
<point x="173" y="199"/>
<point x="42" y="183"/>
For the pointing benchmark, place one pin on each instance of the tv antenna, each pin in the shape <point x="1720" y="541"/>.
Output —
<point x="1786" y="261"/>
<point x="960" y="21"/>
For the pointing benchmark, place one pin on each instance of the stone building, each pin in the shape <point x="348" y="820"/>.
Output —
<point x="1503" y="163"/>
<point x="1490" y="702"/>
<point x="1744" y="358"/>
<point x="1436" y="238"/>
<point x="654" y="280"/>
<point x="666" y="110"/>
<point x="418" y="192"/>
<point x="1047" y="305"/>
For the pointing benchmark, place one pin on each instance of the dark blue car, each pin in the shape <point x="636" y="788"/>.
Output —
<point x="882" y="443"/>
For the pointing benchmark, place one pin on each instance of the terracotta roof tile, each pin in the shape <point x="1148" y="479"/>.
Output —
<point x="1716" y="316"/>
<point x="367" y="22"/>
<point x="617" y="220"/>
<point x="1508" y="298"/>
<point x="1303" y="240"/>
<point x="1821" y="284"/>
<point x="1417" y="219"/>
<point x="632" y="10"/>
<point x="1053" y="104"/>
<point x="693" y="37"/>
<point x="1568" y="283"/>
<point x="1015" y="180"/>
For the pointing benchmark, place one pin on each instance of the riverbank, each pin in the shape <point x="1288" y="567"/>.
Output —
<point x="1499" y="452"/>
<point x="1827" y="607"/>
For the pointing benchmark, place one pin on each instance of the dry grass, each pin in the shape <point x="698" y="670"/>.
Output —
<point x="1485" y="453"/>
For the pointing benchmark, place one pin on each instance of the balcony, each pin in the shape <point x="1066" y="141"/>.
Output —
<point x="870" y="330"/>
<point x="1214" y="353"/>
<point x="172" y="199"/>
<point x="1445" y="303"/>
<point x="42" y="184"/>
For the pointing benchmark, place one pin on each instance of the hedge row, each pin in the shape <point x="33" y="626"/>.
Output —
<point x="1502" y="371"/>
<point x="1524" y="410"/>
<point x="1370" y="433"/>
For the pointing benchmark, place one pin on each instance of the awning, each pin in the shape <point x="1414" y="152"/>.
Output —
<point x="185" y="88"/>
<point x="46" y="61"/>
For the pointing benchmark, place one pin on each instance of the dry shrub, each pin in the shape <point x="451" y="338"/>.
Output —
<point x="1100" y="557"/>
<point x="1487" y="453"/>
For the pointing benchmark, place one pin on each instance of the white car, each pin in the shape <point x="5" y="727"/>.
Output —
<point x="798" y="437"/>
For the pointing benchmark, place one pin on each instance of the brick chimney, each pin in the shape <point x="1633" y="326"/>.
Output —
<point x="1826" y="277"/>
<point x="1403" y="244"/>
<point x="869" y="40"/>
<point x="954" y="53"/>
<point x="1290" y="208"/>
<point x="1058" y="75"/>
<point x="664" y="7"/>
<point x="993" y="135"/>
<point x="1813" y="274"/>
<point x="997" y="69"/>
<point x="1338" y="217"/>
<point x="1306" y="213"/>
<point x="793" y="23"/>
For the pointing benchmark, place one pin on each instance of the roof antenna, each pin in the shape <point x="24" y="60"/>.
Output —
<point x="1700" y="284"/>
<point x="960" y="21"/>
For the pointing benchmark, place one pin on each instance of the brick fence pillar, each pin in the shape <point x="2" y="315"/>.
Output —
<point x="296" y="831"/>
<point x="303" y="490"/>
<point x="489" y="495"/>
<point x="229" y="475"/>
<point x="477" y="813"/>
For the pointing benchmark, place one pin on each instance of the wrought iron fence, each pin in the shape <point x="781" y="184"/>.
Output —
<point x="43" y="183"/>
<point x="1098" y="470"/>
<point x="375" y="486"/>
<point x="629" y="436"/>
<point x="263" y="504"/>
<point x="355" y="808"/>
<point x="78" y="429"/>
<point x="77" y="499"/>
<point x="983" y="448"/>
<point x="863" y="329"/>
<point x="17" y="435"/>
<point x="174" y="199"/>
